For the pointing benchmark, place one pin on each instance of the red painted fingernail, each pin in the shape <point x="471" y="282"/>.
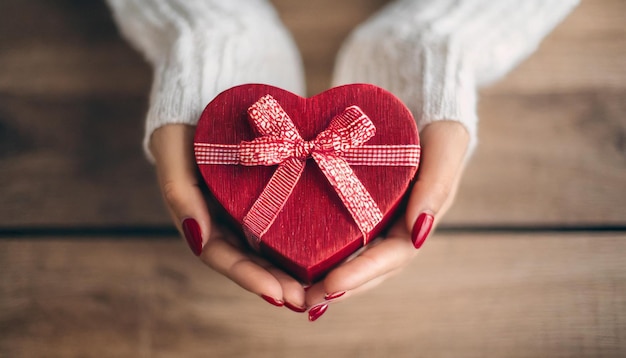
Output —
<point x="306" y="287"/>
<point x="294" y="307"/>
<point x="272" y="300"/>
<point x="332" y="296"/>
<point x="421" y="229"/>
<point x="317" y="311"/>
<point x="191" y="229"/>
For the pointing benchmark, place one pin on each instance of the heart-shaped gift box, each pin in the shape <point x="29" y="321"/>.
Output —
<point x="308" y="180"/>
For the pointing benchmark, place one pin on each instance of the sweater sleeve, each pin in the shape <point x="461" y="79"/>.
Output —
<point x="198" y="48"/>
<point x="435" y="54"/>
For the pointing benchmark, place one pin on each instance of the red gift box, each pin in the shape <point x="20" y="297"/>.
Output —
<point x="308" y="180"/>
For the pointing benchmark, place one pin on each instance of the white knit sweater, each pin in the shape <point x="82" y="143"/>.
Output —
<point x="432" y="54"/>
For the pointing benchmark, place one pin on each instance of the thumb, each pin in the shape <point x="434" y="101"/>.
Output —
<point x="172" y="147"/>
<point x="444" y="144"/>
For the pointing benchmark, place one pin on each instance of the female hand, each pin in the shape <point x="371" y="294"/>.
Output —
<point x="444" y="145"/>
<point x="172" y="147"/>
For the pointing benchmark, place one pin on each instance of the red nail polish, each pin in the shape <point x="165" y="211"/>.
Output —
<point x="317" y="311"/>
<point x="294" y="307"/>
<point x="191" y="229"/>
<point x="272" y="300"/>
<point x="332" y="296"/>
<point x="421" y="229"/>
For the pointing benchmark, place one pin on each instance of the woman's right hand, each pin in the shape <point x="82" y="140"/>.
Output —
<point x="181" y="186"/>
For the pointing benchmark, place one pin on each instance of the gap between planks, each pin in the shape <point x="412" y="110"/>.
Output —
<point x="168" y="232"/>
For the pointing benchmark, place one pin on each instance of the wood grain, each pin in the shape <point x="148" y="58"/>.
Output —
<point x="72" y="100"/>
<point x="75" y="162"/>
<point x="68" y="49"/>
<point x="547" y="159"/>
<point x="464" y="296"/>
<point x="73" y="96"/>
<point x="552" y="134"/>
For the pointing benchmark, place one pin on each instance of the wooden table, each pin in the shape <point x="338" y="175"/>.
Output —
<point x="528" y="263"/>
<point x="466" y="295"/>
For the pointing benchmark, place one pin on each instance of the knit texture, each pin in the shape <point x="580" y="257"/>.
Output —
<point x="199" y="48"/>
<point x="432" y="54"/>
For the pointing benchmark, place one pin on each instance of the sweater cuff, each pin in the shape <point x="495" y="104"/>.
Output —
<point x="430" y="77"/>
<point x="203" y="64"/>
<point x="449" y="90"/>
<point x="200" y="48"/>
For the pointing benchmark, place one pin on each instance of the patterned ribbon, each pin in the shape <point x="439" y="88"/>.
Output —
<point x="340" y="145"/>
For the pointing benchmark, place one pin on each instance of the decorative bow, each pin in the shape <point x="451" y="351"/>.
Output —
<point x="337" y="147"/>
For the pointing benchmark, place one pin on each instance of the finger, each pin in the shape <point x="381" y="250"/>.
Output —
<point x="323" y="302"/>
<point x="172" y="146"/>
<point x="378" y="260"/>
<point x="242" y="269"/>
<point x="365" y="286"/>
<point x="179" y="180"/>
<point x="444" y="146"/>
<point x="293" y="291"/>
<point x="253" y="273"/>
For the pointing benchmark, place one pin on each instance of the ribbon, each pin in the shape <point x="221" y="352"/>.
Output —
<point x="337" y="147"/>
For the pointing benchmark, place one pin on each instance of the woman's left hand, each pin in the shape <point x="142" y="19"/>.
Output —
<point x="444" y="146"/>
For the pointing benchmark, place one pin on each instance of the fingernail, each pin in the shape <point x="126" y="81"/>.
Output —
<point x="294" y="307"/>
<point x="191" y="229"/>
<point x="421" y="229"/>
<point x="272" y="300"/>
<point x="317" y="311"/>
<point x="332" y="296"/>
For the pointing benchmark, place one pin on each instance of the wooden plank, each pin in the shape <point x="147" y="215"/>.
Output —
<point x="585" y="53"/>
<point x="73" y="96"/>
<point x="488" y="295"/>
<point x="75" y="162"/>
<point x="547" y="160"/>
<point x="66" y="48"/>
<point x="553" y="133"/>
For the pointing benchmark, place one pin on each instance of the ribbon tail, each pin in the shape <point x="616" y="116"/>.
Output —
<point x="351" y="191"/>
<point x="265" y="209"/>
